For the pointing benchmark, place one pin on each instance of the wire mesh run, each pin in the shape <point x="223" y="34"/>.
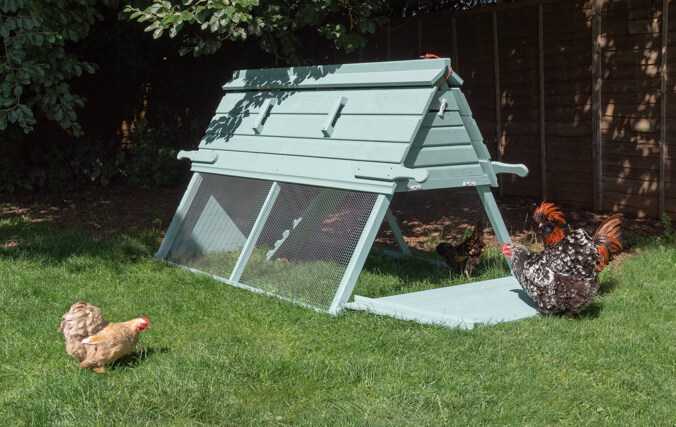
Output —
<point x="298" y="250"/>
<point x="428" y="218"/>
<point x="218" y="223"/>
<point x="307" y="242"/>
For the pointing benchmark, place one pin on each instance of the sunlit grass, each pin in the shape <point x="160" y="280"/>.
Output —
<point x="221" y="355"/>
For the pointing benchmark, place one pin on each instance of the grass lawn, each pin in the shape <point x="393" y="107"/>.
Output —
<point x="220" y="355"/>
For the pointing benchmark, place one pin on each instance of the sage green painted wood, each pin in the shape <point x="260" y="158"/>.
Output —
<point x="417" y="72"/>
<point x="198" y="156"/>
<point x="262" y="114"/>
<point x="493" y="212"/>
<point x="390" y="173"/>
<point x="420" y="157"/>
<point x="431" y="137"/>
<point x="360" y="252"/>
<point x="396" y="232"/>
<point x="179" y="216"/>
<point x="388" y="152"/>
<point x="352" y="127"/>
<point x="460" y="99"/>
<point x="520" y="170"/>
<point x="489" y="172"/>
<point x="463" y="306"/>
<point x="362" y="101"/>
<point x="439" y="96"/>
<point x="339" y="103"/>
<point x="449" y="118"/>
<point x="448" y="177"/>
<point x="322" y="172"/>
<point x="255" y="232"/>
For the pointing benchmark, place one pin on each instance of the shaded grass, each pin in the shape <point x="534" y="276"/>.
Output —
<point x="221" y="355"/>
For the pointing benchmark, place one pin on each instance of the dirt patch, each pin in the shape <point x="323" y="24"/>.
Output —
<point x="422" y="219"/>
<point x="99" y="211"/>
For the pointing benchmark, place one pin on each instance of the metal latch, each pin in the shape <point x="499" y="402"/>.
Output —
<point x="444" y="104"/>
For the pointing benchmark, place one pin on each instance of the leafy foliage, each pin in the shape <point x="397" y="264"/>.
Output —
<point x="35" y="61"/>
<point x="276" y="23"/>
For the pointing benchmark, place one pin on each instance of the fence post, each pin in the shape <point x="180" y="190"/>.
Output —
<point x="498" y="124"/>
<point x="597" y="81"/>
<point x="543" y="143"/>
<point x="663" y="113"/>
<point x="454" y="44"/>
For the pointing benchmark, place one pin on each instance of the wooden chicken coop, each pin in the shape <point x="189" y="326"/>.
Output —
<point x="296" y="173"/>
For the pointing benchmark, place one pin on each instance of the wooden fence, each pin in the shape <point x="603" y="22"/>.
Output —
<point x="578" y="90"/>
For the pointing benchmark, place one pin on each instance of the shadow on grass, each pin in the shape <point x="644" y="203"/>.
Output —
<point x="135" y="358"/>
<point x="608" y="285"/>
<point x="44" y="241"/>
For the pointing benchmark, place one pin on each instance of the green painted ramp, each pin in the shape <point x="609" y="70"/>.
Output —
<point x="463" y="306"/>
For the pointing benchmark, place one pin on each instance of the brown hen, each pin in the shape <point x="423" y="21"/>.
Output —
<point x="465" y="255"/>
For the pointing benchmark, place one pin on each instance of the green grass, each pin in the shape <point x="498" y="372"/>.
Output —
<point x="221" y="355"/>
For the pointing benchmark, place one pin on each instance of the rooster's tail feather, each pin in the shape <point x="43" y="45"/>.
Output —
<point x="607" y="239"/>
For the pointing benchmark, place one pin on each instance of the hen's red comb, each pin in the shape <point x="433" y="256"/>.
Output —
<point x="550" y="211"/>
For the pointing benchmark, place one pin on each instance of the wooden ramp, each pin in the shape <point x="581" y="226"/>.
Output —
<point x="463" y="306"/>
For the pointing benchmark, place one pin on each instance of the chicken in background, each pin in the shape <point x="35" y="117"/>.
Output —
<point x="563" y="277"/>
<point x="465" y="255"/>
<point x="82" y="321"/>
<point x="114" y="341"/>
<point x="549" y="219"/>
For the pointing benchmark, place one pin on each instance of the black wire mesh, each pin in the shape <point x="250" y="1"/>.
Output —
<point x="429" y="217"/>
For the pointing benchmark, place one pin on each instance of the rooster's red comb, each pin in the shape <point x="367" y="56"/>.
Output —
<point x="548" y="212"/>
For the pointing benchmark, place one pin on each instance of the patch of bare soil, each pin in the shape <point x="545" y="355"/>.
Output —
<point x="99" y="211"/>
<point x="424" y="218"/>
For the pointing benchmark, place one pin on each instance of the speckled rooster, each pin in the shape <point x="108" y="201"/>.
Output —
<point x="563" y="277"/>
<point x="549" y="219"/>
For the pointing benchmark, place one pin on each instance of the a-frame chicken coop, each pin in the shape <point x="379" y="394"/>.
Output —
<point x="297" y="170"/>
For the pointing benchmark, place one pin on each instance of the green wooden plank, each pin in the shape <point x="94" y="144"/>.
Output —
<point x="359" y="128"/>
<point x="388" y="152"/>
<point x="297" y="169"/>
<point x="420" y="157"/>
<point x="450" y="118"/>
<point x="476" y="138"/>
<point x="360" y="101"/>
<point x="371" y="74"/>
<point x="439" y="96"/>
<point x="460" y="99"/>
<point x="437" y="137"/>
<point x="448" y="177"/>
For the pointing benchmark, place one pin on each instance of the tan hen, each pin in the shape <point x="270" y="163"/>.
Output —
<point x="82" y="321"/>
<point x="114" y="341"/>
